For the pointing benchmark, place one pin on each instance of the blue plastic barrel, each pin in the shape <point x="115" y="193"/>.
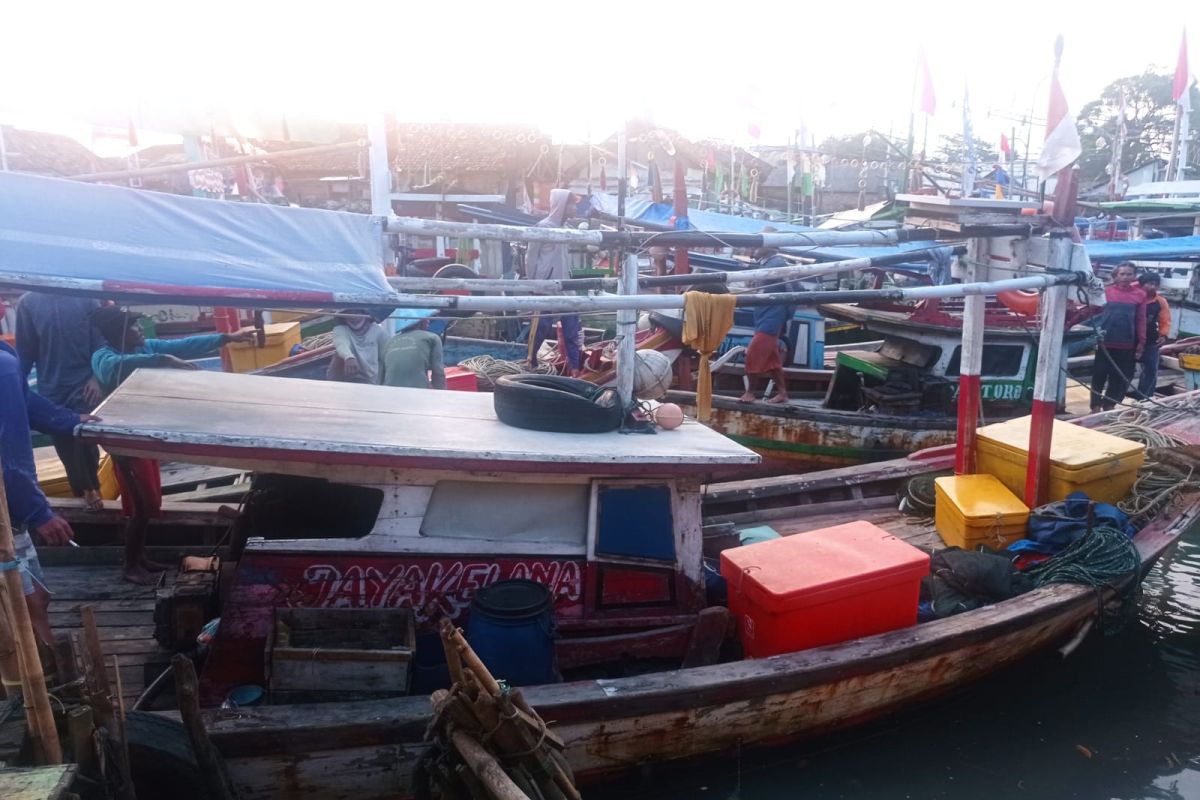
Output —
<point x="511" y="628"/>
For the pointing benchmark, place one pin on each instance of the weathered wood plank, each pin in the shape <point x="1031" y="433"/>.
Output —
<point x="241" y="416"/>
<point x="36" y="783"/>
<point x="842" y="477"/>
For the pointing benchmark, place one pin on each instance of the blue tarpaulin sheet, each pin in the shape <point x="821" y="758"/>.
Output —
<point x="650" y="213"/>
<point x="1179" y="248"/>
<point x="129" y="243"/>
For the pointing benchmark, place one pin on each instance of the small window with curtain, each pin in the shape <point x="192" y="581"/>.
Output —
<point x="518" y="512"/>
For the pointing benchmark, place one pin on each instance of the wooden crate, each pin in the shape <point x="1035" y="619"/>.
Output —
<point x="326" y="654"/>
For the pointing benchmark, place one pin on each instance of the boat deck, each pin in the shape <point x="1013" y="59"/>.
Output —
<point x="124" y="615"/>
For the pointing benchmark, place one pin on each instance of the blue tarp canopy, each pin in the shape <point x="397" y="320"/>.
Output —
<point x="1179" y="248"/>
<point x="132" y="244"/>
<point x="661" y="214"/>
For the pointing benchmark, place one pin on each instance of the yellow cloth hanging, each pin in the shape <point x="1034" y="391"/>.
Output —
<point x="707" y="319"/>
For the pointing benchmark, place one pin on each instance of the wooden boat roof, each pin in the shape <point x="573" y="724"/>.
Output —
<point x="266" y="422"/>
<point x="900" y="323"/>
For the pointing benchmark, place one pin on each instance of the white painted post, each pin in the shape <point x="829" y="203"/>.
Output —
<point x="626" y="331"/>
<point x="971" y="360"/>
<point x="380" y="168"/>
<point x="1046" y="381"/>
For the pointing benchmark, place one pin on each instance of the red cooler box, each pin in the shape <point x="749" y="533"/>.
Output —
<point x="822" y="587"/>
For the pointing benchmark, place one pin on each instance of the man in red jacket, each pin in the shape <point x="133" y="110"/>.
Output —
<point x="1123" y="322"/>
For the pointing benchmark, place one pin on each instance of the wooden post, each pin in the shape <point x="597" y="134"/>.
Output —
<point x="212" y="767"/>
<point x="970" y="361"/>
<point x="100" y="695"/>
<point x="10" y="661"/>
<point x="1046" y="381"/>
<point x="380" y="168"/>
<point x="486" y="768"/>
<point x="681" y="212"/>
<point x="37" y="701"/>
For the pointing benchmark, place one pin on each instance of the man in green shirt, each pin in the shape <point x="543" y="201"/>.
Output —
<point x="414" y="359"/>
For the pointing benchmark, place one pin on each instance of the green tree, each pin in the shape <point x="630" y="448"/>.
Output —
<point x="952" y="152"/>
<point x="851" y="146"/>
<point x="1149" y="125"/>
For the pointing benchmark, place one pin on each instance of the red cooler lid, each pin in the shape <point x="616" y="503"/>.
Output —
<point x="819" y="566"/>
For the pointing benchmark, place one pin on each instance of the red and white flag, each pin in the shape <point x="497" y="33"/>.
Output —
<point x="1005" y="148"/>
<point x="1061" y="147"/>
<point x="928" y="98"/>
<point x="1183" y="78"/>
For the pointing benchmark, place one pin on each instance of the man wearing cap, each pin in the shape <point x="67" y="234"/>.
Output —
<point x="125" y="350"/>
<point x="413" y="358"/>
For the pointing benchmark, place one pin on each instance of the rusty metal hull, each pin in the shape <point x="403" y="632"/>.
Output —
<point x="368" y="750"/>
<point x="800" y="438"/>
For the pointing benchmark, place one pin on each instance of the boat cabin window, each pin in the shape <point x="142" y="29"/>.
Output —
<point x="295" y="507"/>
<point x="999" y="360"/>
<point x="521" y="512"/>
<point x="635" y="522"/>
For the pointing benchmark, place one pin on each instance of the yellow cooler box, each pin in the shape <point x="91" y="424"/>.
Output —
<point x="281" y="338"/>
<point x="978" y="509"/>
<point x="1100" y="465"/>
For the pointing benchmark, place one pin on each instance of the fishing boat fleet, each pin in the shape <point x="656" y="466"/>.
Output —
<point x="658" y="586"/>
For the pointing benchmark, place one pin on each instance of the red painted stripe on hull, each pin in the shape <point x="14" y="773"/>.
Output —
<point x="1041" y="429"/>
<point x="155" y="449"/>
<point x="968" y="418"/>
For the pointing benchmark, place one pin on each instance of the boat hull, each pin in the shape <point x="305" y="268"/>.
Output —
<point x="369" y="750"/>
<point x="799" y="438"/>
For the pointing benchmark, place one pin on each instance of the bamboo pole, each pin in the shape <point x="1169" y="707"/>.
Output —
<point x="486" y="768"/>
<point x="37" y="700"/>
<point x="793" y="272"/>
<point x="170" y="169"/>
<point x="419" y="226"/>
<point x="550" y="304"/>
<point x="10" y="661"/>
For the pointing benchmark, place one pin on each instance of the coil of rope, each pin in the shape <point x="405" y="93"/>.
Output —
<point x="1101" y="559"/>
<point x="489" y="368"/>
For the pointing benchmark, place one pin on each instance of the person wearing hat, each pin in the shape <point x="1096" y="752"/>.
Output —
<point x="413" y="358"/>
<point x="126" y="349"/>
<point x="358" y="343"/>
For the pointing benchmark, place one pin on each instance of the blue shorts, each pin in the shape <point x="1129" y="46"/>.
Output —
<point x="27" y="558"/>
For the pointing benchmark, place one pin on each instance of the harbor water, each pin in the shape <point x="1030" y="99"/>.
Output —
<point x="1119" y="719"/>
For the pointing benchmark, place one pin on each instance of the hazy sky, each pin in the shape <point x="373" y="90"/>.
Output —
<point x="706" y="68"/>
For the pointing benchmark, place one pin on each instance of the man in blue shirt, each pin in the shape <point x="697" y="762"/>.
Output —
<point x="28" y="509"/>
<point x="55" y="334"/>
<point x="125" y="350"/>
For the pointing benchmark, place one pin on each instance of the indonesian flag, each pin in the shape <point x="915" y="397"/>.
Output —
<point x="1183" y="79"/>
<point x="1062" y="146"/>
<point x="928" y="99"/>
<point x="1005" y="147"/>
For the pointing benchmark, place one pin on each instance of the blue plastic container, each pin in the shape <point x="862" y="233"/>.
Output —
<point x="512" y="629"/>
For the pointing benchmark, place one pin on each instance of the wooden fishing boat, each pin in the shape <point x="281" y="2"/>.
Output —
<point x="883" y="400"/>
<point x="644" y="607"/>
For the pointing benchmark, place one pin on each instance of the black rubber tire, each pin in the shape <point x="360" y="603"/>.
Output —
<point x="455" y="271"/>
<point x="161" y="758"/>
<point x="555" y="403"/>
<point x="673" y="325"/>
